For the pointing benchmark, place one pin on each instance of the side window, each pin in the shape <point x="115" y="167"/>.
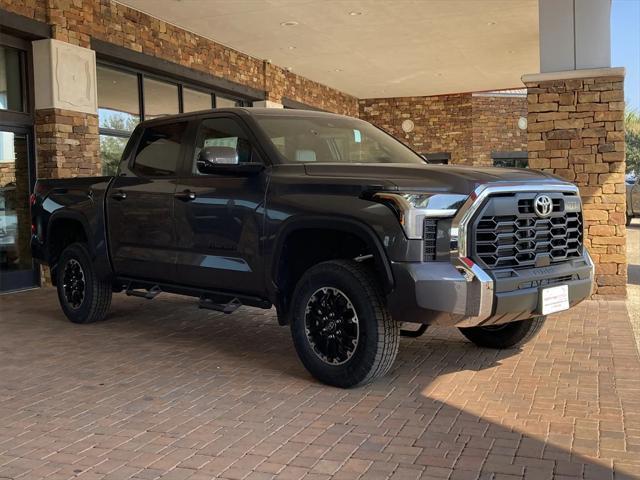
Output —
<point x="159" y="150"/>
<point x="220" y="141"/>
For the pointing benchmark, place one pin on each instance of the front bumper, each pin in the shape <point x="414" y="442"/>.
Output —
<point x="463" y="295"/>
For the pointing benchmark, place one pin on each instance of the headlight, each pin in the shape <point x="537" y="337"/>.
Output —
<point x="412" y="208"/>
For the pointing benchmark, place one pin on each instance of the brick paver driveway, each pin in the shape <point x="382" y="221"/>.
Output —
<point x="162" y="389"/>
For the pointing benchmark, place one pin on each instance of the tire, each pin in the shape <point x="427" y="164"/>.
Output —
<point x="348" y="304"/>
<point x="629" y="218"/>
<point x="84" y="298"/>
<point x="509" y="335"/>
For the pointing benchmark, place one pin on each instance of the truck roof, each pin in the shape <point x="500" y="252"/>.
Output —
<point x="243" y="111"/>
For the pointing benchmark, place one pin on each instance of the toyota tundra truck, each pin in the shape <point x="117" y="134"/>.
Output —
<point x="347" y="232"/>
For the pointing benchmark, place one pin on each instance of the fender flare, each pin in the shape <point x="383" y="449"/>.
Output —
<point x="65" y="214"/>
<point x="344" y="224"/>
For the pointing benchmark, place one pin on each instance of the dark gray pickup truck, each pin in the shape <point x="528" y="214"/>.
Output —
<point x="347" y="232"/>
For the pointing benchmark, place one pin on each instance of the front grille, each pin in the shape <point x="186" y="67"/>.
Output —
<point x="508" y="234"/>
<point x="430" y="235"/>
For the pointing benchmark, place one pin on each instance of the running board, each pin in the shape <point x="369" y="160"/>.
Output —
<point x="149" y="294"/>
<point x="229" y="307"/>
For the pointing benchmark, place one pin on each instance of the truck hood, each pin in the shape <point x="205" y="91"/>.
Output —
<point x="433" y="178"/>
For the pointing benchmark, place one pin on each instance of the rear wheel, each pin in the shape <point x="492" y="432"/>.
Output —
<point x="84" y="298"/>
<point x="340" y="325"/>
<point x="507" y="335"/>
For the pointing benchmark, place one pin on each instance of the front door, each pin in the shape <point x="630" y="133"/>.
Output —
<point x="17" y="169"/>
<point x="16" y="265"/>
<point x="140" y="206"/>
<point x="218" y="219"/>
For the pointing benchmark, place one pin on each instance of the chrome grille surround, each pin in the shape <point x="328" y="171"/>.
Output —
<point x="508" y="234"/>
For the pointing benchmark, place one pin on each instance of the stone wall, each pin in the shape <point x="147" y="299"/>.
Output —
<point x="576" y="131"/>
<point x="35" y="9"/>
<point x="442" y="123"/>
<point x="467" y="126"/>
<point x="495" y="126"/>
<point x="67" y="144"/>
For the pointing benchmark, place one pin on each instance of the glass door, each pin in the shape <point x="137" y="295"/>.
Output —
<point x="16" y="265"/>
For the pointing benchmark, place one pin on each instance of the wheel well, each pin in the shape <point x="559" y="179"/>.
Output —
<point x="62" y="233"/>
<point x="307" y="247"/>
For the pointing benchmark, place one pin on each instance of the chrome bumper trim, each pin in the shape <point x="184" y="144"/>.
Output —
<point x="480" y="305"/>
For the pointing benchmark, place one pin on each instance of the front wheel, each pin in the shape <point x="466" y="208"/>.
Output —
<point x="83" y="296"/>
<point x="507" y="335"/>
<point x="340" y="325"/>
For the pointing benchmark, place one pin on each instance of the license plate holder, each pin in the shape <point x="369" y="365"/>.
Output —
<point x="554" y="299"/>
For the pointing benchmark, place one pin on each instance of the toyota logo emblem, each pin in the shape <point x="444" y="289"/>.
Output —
<point x="543" y="205"/>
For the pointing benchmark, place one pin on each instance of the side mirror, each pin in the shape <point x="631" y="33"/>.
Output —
<point x="224" y="160"/>
<point x="212" y="156"/>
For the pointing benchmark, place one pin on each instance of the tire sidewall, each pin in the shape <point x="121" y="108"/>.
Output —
<point x="79" y="253"/>
<point x="358" y="366"/>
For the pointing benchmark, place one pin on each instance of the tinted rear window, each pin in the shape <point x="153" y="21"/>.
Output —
<point x="159" y="150"/>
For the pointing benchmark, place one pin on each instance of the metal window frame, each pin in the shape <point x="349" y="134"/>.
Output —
<point x="141" y="74"/>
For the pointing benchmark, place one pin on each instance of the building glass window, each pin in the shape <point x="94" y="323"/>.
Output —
<point x="194" y="100"/>
<point x="438" y="158"/>
<point x="11" y="82"/>
<point x="510" y="159"/>
<point x="118" y="114"/>
<point x="224" y="102"/>
<point x="160" y="98"/>
<point x="126" y="97"/>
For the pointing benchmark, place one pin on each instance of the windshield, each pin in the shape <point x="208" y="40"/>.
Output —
<point x="306" y="139"/>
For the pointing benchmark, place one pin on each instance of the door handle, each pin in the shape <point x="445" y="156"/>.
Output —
<point x="185" y="196"/>
<point x="120" y="195"/>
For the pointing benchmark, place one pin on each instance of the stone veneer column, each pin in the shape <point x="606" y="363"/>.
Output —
<point x="67" y="144"/>
<point x="576" y="131"/>
<point x="66" y="120"/>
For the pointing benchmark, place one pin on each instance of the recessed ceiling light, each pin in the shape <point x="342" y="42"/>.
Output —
<point x="338" y="70"/>
<point x="491" y="23"/>
<point x="355" y="14"/>
<point x="291" y="47"/>
<point x="290" y="23"/>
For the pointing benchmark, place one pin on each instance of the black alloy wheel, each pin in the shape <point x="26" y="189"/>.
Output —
<point x="73" y="283"/>
<point x="83" y="295"/>
<point x="331" y="325"/>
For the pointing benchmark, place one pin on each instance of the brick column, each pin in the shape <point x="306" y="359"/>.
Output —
<point x="576" y="131"/>
<point x="67" y="144"/>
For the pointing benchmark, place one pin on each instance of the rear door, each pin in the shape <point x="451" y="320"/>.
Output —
<point x="219" y="219"/>
<point x="140" y="205"/>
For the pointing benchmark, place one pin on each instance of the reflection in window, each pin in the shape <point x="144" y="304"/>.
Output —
<point x="111" y="149"/>
<point x="194" y="100"/>
<point x="11" y="81"/>
<point x="159" y="150"/>
<point x="160" y="98"/>
<point x="118" y="106"/>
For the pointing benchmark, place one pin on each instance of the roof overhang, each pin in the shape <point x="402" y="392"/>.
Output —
<point x="374" y="49"/>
